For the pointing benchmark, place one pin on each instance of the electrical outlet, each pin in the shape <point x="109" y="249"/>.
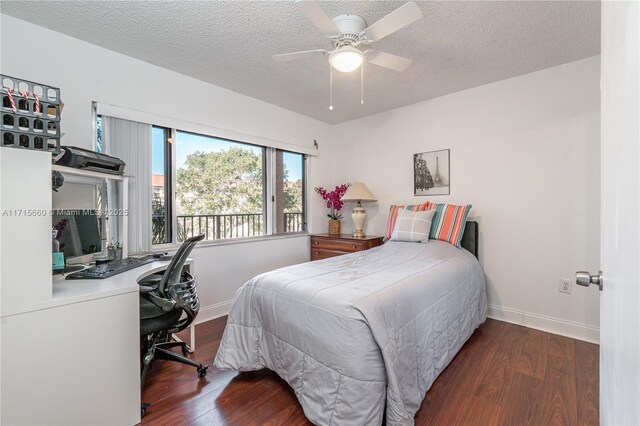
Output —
<point x="565" y="285"/>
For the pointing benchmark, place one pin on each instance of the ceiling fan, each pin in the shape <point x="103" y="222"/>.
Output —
<point x="349" y="32"/>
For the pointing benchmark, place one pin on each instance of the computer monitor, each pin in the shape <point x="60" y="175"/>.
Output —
<point x="78" y="232"/>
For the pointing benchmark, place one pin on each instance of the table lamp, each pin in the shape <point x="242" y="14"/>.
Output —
<point x="359" y="192"/>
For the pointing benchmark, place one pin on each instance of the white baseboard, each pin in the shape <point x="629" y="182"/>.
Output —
<point x="540" y="322"/>
<point x="214" y="311"/>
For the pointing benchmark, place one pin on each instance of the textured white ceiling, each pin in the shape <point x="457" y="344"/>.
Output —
<point x="457" y="45"/>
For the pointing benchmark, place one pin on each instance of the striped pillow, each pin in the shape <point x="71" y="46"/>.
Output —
<point x="393" y="215"/>
<point x="449" y="222"/>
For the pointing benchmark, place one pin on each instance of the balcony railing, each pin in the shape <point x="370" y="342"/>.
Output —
<point x="224" y="226"/>
<point x="293" y="222"/>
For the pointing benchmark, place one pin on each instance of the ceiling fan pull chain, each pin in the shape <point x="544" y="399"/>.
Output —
<point x="362" y="84"/>
<point x="330" y="88"/>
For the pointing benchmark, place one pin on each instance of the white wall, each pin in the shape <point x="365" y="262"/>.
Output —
<point x="86" y="73"/>
<point x="525" y="153"/>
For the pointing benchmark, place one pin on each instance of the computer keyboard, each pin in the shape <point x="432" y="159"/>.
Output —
<point x="109" y="269"/>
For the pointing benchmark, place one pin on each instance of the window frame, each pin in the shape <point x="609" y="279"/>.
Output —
<point x="168" y="155"/>
<point x="303" y="174"/>
<point x="269" y="199"/>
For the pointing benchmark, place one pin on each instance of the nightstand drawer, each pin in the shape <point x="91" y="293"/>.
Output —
<point x="340" y="245"/>
<point x="324" y="246"/>
<point x="317" y="254"/>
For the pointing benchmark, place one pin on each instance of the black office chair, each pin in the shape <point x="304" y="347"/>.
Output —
<point x="168" y="304"/>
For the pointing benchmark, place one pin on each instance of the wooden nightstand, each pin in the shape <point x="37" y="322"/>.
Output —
<point x="324" y="246"/>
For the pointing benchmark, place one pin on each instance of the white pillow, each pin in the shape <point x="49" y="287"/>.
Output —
<point x="413" y="226"/>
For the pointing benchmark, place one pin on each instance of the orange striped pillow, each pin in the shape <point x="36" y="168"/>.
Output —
<point x="449" y="222"/>
<point x="393" y="215"/>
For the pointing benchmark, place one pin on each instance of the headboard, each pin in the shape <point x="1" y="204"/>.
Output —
<point x="470" y="237"/>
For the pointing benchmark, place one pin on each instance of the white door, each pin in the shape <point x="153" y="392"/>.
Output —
<point x="620" y="215"/>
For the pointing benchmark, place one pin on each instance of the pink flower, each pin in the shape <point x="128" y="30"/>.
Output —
<point x="333" y="199"/>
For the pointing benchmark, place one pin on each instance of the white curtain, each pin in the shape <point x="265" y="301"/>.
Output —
<point x="131" y="142"/>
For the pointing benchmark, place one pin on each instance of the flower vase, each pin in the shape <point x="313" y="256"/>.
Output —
<point x="334" y="227"/>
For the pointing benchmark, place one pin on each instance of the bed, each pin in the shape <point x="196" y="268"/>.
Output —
<point x="360" y="335"/>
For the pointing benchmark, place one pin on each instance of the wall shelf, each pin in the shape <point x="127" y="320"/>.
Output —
<point x="90" y="177"/>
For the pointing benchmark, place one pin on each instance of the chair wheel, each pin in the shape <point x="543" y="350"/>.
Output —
<point x="143" y="408"/>
<point x="148" y="357"/>
<point x="202" y="371"/>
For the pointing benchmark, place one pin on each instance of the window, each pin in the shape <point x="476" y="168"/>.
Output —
<point x="161" y="217"/>
<point x="223" y="189"/>
<point x="289" y="192"/>
<point x="99" y="134"/>
<point x="220" y="188"/>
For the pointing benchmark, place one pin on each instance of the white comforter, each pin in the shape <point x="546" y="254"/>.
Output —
<point x="351" y="332"/>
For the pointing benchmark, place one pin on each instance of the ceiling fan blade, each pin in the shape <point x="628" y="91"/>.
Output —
<point x="387" y="60"/>
<point x="288" y="57"/>
<point x="314" y="12"/>
<point x="399" y="18"/>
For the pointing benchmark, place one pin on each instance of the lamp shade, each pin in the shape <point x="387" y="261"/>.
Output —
<point x="358" y="191"/>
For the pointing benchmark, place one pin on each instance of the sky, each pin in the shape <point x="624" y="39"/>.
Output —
<point x="189" y="143"/>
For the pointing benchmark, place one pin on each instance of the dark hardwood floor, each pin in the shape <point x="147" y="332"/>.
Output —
<point x="504" y="375"/>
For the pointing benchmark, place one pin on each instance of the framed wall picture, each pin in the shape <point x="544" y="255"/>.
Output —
<point x="431" y="173"/>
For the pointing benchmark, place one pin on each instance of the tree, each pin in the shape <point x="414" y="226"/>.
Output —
<point x="158" y="226"/>
<point x="422" y="175"/>
<point x="220" y="182"/>
<point x="292" y="194"/>
<point x="228" y="182"/>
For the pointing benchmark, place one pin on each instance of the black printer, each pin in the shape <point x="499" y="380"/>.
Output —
<point x="79" y="158"/>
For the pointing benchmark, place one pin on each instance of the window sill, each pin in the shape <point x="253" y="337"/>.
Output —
<point x="159" y="248"/>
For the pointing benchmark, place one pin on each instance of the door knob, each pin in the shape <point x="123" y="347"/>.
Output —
<point x="585" y="279"/>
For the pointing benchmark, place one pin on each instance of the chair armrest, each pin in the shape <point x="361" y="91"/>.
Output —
<point x="166" y="305"/>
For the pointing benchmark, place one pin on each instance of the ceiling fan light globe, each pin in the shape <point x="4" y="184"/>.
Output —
<point x="346" y="59"/>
